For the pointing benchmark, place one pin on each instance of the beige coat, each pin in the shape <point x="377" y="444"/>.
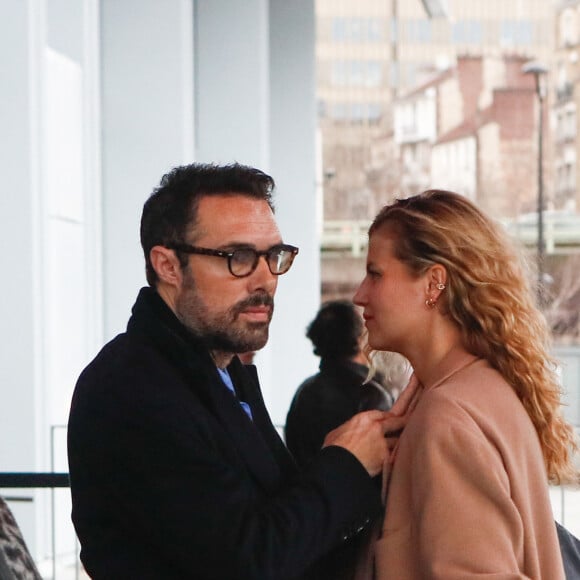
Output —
<point x="468" y="493"/>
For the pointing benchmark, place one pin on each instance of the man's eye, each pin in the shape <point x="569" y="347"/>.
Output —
<point x="244" y="255"/>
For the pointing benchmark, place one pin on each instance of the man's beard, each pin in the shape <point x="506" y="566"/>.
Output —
<point x="223" y="331"/>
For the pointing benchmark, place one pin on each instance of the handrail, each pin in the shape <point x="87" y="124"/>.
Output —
<point x="27" y="480"/>
<point x="34" y="479"/>
<point x="562" y="233"/>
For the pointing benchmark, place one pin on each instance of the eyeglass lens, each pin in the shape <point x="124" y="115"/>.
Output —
<point x="245" y="260"/>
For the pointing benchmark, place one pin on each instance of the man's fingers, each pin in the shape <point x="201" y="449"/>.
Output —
<point x="392" y="425"/>
<point x="372" y="415"/>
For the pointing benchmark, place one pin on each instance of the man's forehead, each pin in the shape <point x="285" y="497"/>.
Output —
<point x="231" y="216"/>
<point x="230" y="198"/>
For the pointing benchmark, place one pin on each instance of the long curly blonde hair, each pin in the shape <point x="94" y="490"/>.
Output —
<point x="489" y="297"/>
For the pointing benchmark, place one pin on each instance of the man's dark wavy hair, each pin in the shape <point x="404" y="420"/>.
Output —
<point x="336" y="330"/>
<point x="171" y="210"/>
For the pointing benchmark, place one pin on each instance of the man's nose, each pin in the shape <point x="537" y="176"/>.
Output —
<point x="262" y="277"/>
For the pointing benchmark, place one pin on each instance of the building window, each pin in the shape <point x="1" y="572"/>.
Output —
<point x="374" y="73"/>
<point x="568" y="28"/>
<point x="338" y="111"/>
<point x="357" y="30"/>
<point x="419" y="31"/>
<point x="467" y="32"/>
<point x="358" y="73"/>
<point x="356" y="112"/>
<point x="515" y="32"/>
<point x="375" y="112"/>
<point x="338" y="75"/>
<point x="338" y="29"/>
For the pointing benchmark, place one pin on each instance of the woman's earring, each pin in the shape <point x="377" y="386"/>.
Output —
<point x="440" y="286"/>
<point x="430" y="303"/>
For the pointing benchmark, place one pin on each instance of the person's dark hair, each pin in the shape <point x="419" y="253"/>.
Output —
<point x="172" y="207"/>
<point x="336" y="330"/>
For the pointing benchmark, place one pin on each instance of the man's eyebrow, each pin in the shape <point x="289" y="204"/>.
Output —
<point x="234" y="245"/>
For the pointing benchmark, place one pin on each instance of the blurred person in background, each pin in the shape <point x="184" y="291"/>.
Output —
<point x="467" y="482"/>
<point x="340" y="389"/>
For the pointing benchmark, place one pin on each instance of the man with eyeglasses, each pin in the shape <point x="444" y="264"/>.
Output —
<point x="176" y="469"/>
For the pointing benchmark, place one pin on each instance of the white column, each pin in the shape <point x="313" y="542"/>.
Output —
<point x="20" y="169"/>
<point x="231" y="80"/>
<point x="293" y="164"/>
<point x="254" y="63"/>
<point x="147" y="109"/>
<point x="49" y="236"/>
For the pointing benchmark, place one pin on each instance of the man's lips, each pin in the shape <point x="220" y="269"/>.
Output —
<point x="258" y="312"/>
<point x="258" y="307"/>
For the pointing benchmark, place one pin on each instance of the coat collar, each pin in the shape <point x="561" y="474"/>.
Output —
<point x="257" y="441"/>
<point x="451" y="364"/>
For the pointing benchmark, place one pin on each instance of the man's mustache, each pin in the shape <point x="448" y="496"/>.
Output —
<point x="261" y="299"/>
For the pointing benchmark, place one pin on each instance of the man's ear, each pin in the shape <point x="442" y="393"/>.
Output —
<point x="166" y="265"/>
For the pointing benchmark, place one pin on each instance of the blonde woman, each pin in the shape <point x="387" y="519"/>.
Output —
<point x="467" y="488"/>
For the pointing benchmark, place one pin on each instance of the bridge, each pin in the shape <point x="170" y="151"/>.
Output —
<point x="561" y="233"/>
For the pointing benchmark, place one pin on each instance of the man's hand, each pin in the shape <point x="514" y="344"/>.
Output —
<point x="370" y="435"/>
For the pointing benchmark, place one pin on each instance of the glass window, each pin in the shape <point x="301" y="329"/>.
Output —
<point x="357" y="76"/>
<point x="424" y="33"/>
<point x="356" y="30"/>
<point x="475" y="32"/>
<point x="338" y="75"/>
<point x="516" y="32"/>
<point x="507" y="35"/>
<point x="358" y="112"/>
<point x="374" y="74"/>
<point x="356" y="73"/>
<point x="394" y="31"/>
<point x="525" y="33"/>
<point x="394" y="74"/>
<point x="338" y="29"/>
<point x="467" y="32"/>
<point x="418" y="31"/>
<point x="457" y="32"/>
<point x="338" y="111"/>
<point x="375" y="30"/>
<point x="375" y="111"/>
<point x="568" y="30"/>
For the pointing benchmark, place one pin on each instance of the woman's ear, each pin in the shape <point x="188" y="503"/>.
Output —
<point x="436" y="283"/>
<point x="166" y="265"/>
<point x="437" y="277"/>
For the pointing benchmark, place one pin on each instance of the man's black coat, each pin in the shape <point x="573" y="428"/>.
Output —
<point x="171" y="480"/>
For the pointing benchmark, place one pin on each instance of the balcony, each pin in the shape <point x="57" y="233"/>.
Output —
<point x="561" y="231"/>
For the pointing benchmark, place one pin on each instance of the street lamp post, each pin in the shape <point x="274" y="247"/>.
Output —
<point x="539" y="71"/>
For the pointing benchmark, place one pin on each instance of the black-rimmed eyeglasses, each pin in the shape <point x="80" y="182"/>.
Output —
<point x="243" y="261"/>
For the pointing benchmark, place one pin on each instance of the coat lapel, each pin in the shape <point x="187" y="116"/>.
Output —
<point x="247" y="383"/>
<point x="257" y="442"/>
<point x="244" y="433"/>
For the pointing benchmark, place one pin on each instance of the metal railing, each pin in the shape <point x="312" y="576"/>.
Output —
<point x="38" y="480"/>
<point x="562" y="233"/>
<point x="30" y="479"/>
